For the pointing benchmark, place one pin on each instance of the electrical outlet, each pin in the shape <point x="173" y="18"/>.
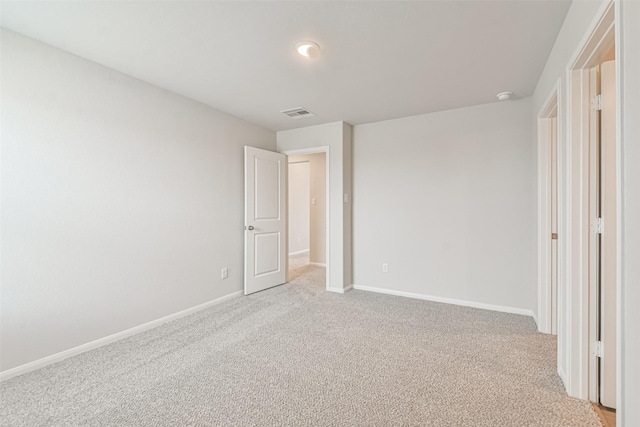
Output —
<point x="385" y="267"/>
<point x="224" y="273"/>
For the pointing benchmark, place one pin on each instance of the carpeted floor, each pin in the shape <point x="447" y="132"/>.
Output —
<point x="297" y="355"/>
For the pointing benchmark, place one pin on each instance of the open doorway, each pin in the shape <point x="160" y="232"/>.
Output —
<point x="307" y="224"/>
<point x="603" y="220"/>
<point x="593" y="163"/>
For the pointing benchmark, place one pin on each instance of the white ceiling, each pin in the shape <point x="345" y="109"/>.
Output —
<point x="379" y="60"/>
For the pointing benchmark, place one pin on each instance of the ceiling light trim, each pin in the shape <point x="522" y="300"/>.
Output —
<point x="308" y="49"/>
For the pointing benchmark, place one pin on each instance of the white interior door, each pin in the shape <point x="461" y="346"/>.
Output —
<point x="265" y="219"/>
<point x="608" y="242"/>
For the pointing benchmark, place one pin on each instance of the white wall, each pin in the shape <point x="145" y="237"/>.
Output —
<point x="336" y="136"/>
<point x="318" y="211"/>
<point x="299" y="205"/>
<point x="347" y="212"/>
<point x="630" y="135"/>
<point x="448" y="201"/>
<point x="121" y="201"/>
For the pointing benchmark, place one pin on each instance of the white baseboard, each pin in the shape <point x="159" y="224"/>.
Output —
<point x="318" y="264"/>
<point x="304" y="251"/>
<point x="535" y="319"/>
<point x="40" y="363"/>
<point x="340" y="290"/>
<point x="453" y="301"/>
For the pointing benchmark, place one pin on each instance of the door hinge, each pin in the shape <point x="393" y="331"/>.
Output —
<point x="598" y="349"/>
<point x="596" y="103"/>
<point x="597" y="225"/>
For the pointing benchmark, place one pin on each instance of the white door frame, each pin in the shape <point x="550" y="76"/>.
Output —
<point x="577" y="312"/>
<point x="316" y="150"/>
<point x="553" y="103"/>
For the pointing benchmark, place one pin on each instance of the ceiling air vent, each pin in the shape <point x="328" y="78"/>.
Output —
<point x="298" y="113"/>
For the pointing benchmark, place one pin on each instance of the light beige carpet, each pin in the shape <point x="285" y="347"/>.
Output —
<point x="297" y="355"/>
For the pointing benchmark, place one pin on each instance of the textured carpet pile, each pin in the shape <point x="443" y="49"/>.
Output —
<point x="297" y="355"/>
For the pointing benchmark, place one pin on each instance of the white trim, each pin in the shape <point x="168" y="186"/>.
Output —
<point x="41" y="363"/>
<point x="303" y="151"/>
<point x="600" y="36"/>
<point x="304" y="251"/>
<point x="535" y="319"/>
<point x="552" y="104"/>
<point x="341" y="290"/>
<point x="484" y="306"/>
<point x="576" y="339"/>
<point x="327" y="173"/>
<point x="591" y="43"/>
<point x="318" y="264"/>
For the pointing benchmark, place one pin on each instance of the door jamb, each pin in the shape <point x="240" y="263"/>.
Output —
<point x="603" y="32"/>
<point x="553" y="103"/>
<point x="317" y="150"/>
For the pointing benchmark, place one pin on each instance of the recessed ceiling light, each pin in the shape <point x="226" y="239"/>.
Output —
<point x="308" y="49"/>
<point x="504" y="96"/>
